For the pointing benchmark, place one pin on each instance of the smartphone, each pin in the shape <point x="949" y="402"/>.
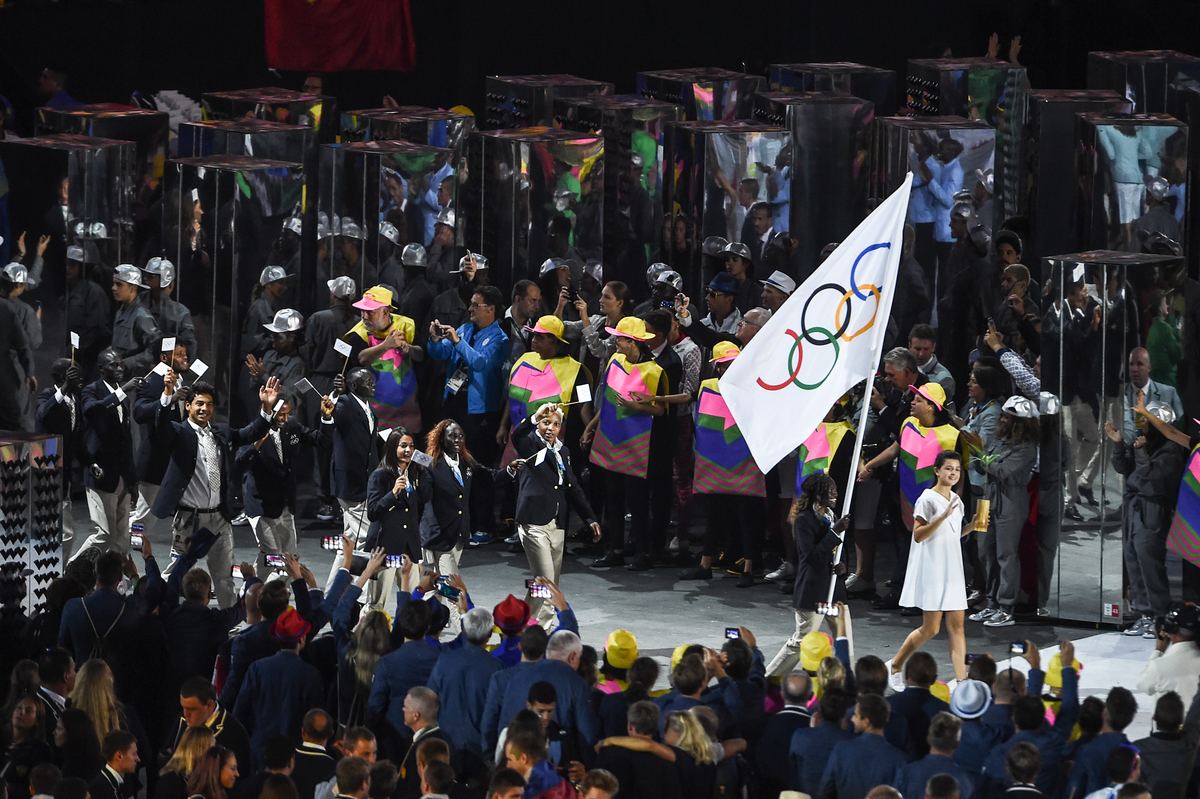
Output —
<point x="448" y="591"/>
<point x="135" y="537"/>
<point x="393" y="561"/>
<point x="827" y="609"/>
<point x="537" y="591"/>
<point x="236" y="571"/>
<point x="732" y="633"/>
<point x="991" y="322"/>
<point x="331" y="542"/>
<point x="275" y="562"/>
<point x="971" y="658"/>
<point x="1017" y="648"/>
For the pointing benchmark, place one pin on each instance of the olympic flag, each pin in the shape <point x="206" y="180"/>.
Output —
<point x="823" y="341"/>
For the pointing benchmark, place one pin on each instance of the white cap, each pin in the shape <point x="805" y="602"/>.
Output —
<point x="286" y="320"/>
<point x="342" y="287"/>
<point x="15" y="272"/>
<point x="780" y="281"/>
<point x="272" y="274"/>
<point x="128" y="273"/>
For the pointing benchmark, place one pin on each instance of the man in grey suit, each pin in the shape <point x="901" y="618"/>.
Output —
<point x="1140" y="386"/>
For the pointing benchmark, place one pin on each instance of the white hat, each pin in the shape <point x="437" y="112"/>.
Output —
<point x="15" y="272"/>
<point x="286" y="320"/>
<point x="413" y="255"/>
<point x="1020" y="407"/>
<point x="342" y="287"/>
<point x="128" y="273"/>
<point x="780" y="281"/>
<point x="971" y="699"/>
<point x="272" y="274"/>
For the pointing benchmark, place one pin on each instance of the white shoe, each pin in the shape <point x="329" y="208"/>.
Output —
<point x="674" y="545"/>
<point x="1001" y="618"/>
<point x="1140" y="626"/>
<point x="983" y="615"/>
<point x="786" y="571"/>
<point x="1043" y="613"/>
<point x="857" y="585"/>
<point x="896" y="679"/>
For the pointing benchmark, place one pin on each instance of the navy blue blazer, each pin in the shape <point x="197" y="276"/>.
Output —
<point x="446" y="519"/>
<point x="355" y="450"/>
<point x="914" y="775"/>
<point x="184" y="445"/>
<point x="227" y="730"/>
<point x="858" y="765"/>
<point x="460" y="678"/>
<point x="396" y="672"/>
<point x="396" y="521"/>
<point x="152" y="457"/>
<point x="492" y="720"/>
<point x="918" y="707"/>
<point x="278" y="691"/>
<point x="108" y="439"/>
<point x="772" y="751"/>
<point x="573" y="711"/>
<point x="54" y="417"/>
<point x="541" y="497"/>
<point x="268" y="484"/>
<point x="254" y="643"/>
<point x="104" y="605"/>
<point x="808" y="753"/>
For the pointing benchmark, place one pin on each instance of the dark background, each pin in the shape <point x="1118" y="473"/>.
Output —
<point x="113" y="48"/>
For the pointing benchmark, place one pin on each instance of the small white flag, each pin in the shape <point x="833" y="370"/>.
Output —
<point x="198" y="368"/>
<point x="161" y="368"/>
<point x="278" y="404"/>
<point x="422" y="459"/>
<point x="304" y="385"/>
<point x="75" y="340"/>
<point x="168" y="344"/>
<point x="384" y="433"/>
<point x="343" y="347"/>
<point x="583" y="392"/>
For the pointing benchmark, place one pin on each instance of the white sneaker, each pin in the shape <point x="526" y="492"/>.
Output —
<point x="786" y="571"/>
<point x="983" y="615"/>
<point x="1043" y="613"/>
<point x="1001" y="618"/>
<point x="1140" y="626"/>
<point x="857" y="585"/>
<point x="674" y="545"/>
<point x="896" y="680"/>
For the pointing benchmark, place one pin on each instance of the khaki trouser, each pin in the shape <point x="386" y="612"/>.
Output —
<point x="110" y="514"/>
<point x="275" y="536"/>
<point x="219" y="558"/>
<point x="789" y="654"/>
<point x="544" y="548"/>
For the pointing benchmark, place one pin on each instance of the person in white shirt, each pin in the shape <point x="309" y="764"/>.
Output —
<point x="1175" y="663"/>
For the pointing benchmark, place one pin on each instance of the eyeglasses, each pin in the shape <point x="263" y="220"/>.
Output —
<point x="479" y="305"/>
<point x="715" y="293"/>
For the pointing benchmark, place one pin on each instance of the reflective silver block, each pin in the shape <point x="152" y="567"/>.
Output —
<point x="222" y="219"/>
<point x="94" y="179"/>
<point x="428" y="126"/>
<point x="251" y="137"/>
<point x="705" y="93"/>
<point x="632" y="223"/>
<point x="365" y="184"/>
<point x="870" y="83"/>
<point x="513" y="177"/>
<point x="31" y="471"/>
<point x="893" y="149"/>
<point x="1117" y="154"/>
<point x="276" y="105"/>
<point x="523" y="101"/>
<point x="1050" y="181"/>
<point x="826" y="170"/>
<point x="987" y="89"/>
<point x="708" y="165"/>
<point x="1143" y="77"/>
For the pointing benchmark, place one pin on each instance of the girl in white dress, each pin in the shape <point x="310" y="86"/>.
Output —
<point x="934" y="581"/>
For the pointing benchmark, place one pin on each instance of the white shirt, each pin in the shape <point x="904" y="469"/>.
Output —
<point x="120" y="399"/>
<point x="199" y="494"/>
<point x="728" y="326"/>
<point x="60" y="701"/>
<point x="1177" y="669"/>
<point x="453" y="462"/>
<point x="367" y="410"/>
<point x="59" y="396"/>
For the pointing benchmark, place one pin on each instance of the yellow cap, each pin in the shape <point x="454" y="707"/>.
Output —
<point x="677" y="655"/>
<point x="630" y="327"/>
<point x="620" y="649"/>
<point x="553" y="326"/>
<point x="725" y="351"/>
<point x="934" y="393"/>
<point x="1054" y="671"/>
<point x="375" y="297"/>
<point x="814" y="647"/>
<point x="462" y="109"/>
<point x="941" y="691"/>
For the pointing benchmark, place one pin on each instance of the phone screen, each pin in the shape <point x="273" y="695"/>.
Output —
<point x="275" y="561"/>
<point x="537" y="591"/>
<point x="1017" y="648"/>
<point x="394" y="561"/>
<point x="135" y="537"/>
<point x="732" y="632"/>
<point x="331" y="542"/>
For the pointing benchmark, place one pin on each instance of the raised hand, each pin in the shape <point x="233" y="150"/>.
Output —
<point x="269" y="393"/>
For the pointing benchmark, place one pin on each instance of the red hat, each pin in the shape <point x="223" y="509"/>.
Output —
<point x="512" y="614"/>
<point x="289" y="627"/>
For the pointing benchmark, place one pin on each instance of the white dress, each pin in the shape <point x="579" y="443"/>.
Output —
<point x="934" y="580"/>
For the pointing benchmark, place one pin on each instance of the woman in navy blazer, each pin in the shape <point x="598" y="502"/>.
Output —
<point x="446" y="518"/>
<point x="396" y="493"/>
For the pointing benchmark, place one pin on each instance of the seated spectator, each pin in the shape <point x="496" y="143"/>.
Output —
<point x="506" y="783"/>
<point x="599" y="784"/>
<point x="918" y="706"/>
<point x="214" y="775"/>
<point x="1169" y="754"/>
<point x="312" y="763"/>
<point x="859" y="764"/>
<point x="641" y="676"/>
<point x="278" y="757"/>
<point x="642" y="773"/>
<point x="811" y="746"/>
<point x="173" y="777"/>
<point x="944" y="732"/>
<point x="1088" y="774"/>
<point x="118" y="779"/>
<point x="421" y="708"/>
<point x="771" y="755"/>
<point x="1023" y="764"/>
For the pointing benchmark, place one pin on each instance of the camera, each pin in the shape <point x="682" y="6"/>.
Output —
<point x="537" y="591"/>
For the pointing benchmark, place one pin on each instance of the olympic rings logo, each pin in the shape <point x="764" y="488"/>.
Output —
<point x="841" y="323"/>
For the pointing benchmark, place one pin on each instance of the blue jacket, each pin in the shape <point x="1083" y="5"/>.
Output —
<point x="772" y="752"/>
<point x="277" y="693"/>
<point x="508" y="651"/>
<point x="809" y="752"/>
<point x="484" y="357"/>
<point x="912" y="778"/>
<point x="1091" y="764"/>
<point x="493" y="722"/>
<point x="460" y="678"/>
<point x="917" y="706"/>
<point x="254" y="643"/>
<point x="1050" y="741"/>
<point x="573" y="711"/>
<point x="978" y="739"/>
<point x="152" y="457"/>
<point x="396" y="672"/>
<point x="858" y="765"/>
<point x="724" y="698"/>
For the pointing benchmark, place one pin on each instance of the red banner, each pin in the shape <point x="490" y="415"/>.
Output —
<point x="339" y="35"/>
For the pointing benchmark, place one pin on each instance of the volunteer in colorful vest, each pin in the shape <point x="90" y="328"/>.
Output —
<point x="383" y="343"/>
<point x="823" y="453"/>
<point x="545" y="374"/>
<point x="726" y="472"/>
<point x="620" y="438"/>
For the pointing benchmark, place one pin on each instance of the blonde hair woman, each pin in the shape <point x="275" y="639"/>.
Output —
<point x="695" y="758"/>
<point x="173" y="779"/>
<point x="94" y="695"/>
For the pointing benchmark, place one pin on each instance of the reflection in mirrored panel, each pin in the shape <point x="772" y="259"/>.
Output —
<point x="1050" y="152"/>
<point x="822" y="178"/>
<point x="429" y="126"/>
<point x="77" y="191"/>
<point x="276" y="105"/>
<point x="1132" y="178"/>
<point x="531" y="193"/>
<point x="222" y="219"/>
<point x="870" y="83"/>
<point x="1186" y="102"/>
<point x="628" y="233"/>
<point x="1110" y="334"/>
<point x="1143" y="77"/>
<point x="703" y="93"/>
<point x="719" y="188"/>
<point x="376" y="197"/>
<point x="523" y="101"/>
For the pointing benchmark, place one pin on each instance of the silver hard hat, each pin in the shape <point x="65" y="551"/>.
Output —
<point x="654" y="270"/>
<point x="1048" y="404"/>
<point x="714" y="245"/>
<point x="736" y="248"/>
<point x="294" y="224"/>
<point x="987" y="177"/>
<point x="480" y="262"/>
<point x="163" y="268"/>
<point x="1021" y="407"/>
<point x="128" y="273"/>
<point x="551" y="264"/>
<point x="595" y="269"/>
<point x="413" y="255"/>
<point x="342" y="287"/>
<point x="446" y="217"/>
<point x="272" y="274"/>
<point x="1157" y="187"/>
<point x="15" y="273"/>
<point x="287" y="320"/>
<point x="390" y="232"/>
<point x="1161" y="411"/>
<point x="351" y="230"/>
<point x="672" y="278"/>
